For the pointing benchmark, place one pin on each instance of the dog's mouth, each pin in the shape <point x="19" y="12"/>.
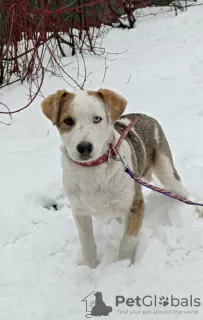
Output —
<point x="79" y="158"/>
<point x="85" y="158"/>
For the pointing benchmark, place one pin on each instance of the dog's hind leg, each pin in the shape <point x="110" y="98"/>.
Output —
<point x="167" y="174"/>
<point x="133" y="223"/>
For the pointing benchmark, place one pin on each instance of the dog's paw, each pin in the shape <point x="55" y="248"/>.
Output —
<point x="199" y="211"/>
<point x="92" y="263"/>
<point x="127" y="248"/>
<point x="125" y="255"/>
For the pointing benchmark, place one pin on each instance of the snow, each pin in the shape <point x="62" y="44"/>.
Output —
<point x="159" y="69"/>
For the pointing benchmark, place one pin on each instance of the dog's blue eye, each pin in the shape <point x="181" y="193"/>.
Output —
<point x="97" y="119"/>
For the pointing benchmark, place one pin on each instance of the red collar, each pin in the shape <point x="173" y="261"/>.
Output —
<point x="112" y="151"/>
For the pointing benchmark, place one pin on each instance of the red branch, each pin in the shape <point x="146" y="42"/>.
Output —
<point x="31" y="30"/>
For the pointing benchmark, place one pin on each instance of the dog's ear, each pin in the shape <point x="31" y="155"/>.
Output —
<point x="115" y="103"/>
<point x="51" y="106"/>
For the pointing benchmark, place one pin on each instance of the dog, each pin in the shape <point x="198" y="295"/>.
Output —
<point x="90" y="123"/>
<point x="100" y="308"/>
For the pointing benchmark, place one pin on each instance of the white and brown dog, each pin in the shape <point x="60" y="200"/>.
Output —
<point x="89" y="123"/>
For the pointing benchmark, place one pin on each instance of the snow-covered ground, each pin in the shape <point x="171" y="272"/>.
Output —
<point x="161" y="74"/>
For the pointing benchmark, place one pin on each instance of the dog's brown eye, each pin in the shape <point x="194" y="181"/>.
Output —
<point x="69" y="121"/>
<point x="97" y="119"/>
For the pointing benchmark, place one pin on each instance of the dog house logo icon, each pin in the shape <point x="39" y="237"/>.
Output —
<point x="95" y="305"/>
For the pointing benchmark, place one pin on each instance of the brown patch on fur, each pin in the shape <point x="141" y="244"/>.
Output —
<point x="147" y="173"/>
<point x="136" y="216"/>
<point x="115" y="103"/>
<point x="63" y="127"/>
<point x="93" y="93"/>
<point x="57" y="107"/>
<point x="50" y="105"/>
<point x="136" y="213"/>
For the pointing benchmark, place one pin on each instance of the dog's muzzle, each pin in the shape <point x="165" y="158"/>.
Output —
<point x="84" y="148"/>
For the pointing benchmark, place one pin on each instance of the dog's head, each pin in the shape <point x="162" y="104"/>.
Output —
<point x="84" y="120"/>
<point x="98" y="295"/>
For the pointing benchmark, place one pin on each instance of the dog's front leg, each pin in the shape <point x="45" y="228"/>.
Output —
<point x="133" y="223"/>
<point x="89" y="248"/>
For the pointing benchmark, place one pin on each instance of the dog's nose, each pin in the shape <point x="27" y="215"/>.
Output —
<point x="84" y="148"/>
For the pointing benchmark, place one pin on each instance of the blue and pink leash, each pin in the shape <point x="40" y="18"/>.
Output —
<point x="154" y="188"/>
